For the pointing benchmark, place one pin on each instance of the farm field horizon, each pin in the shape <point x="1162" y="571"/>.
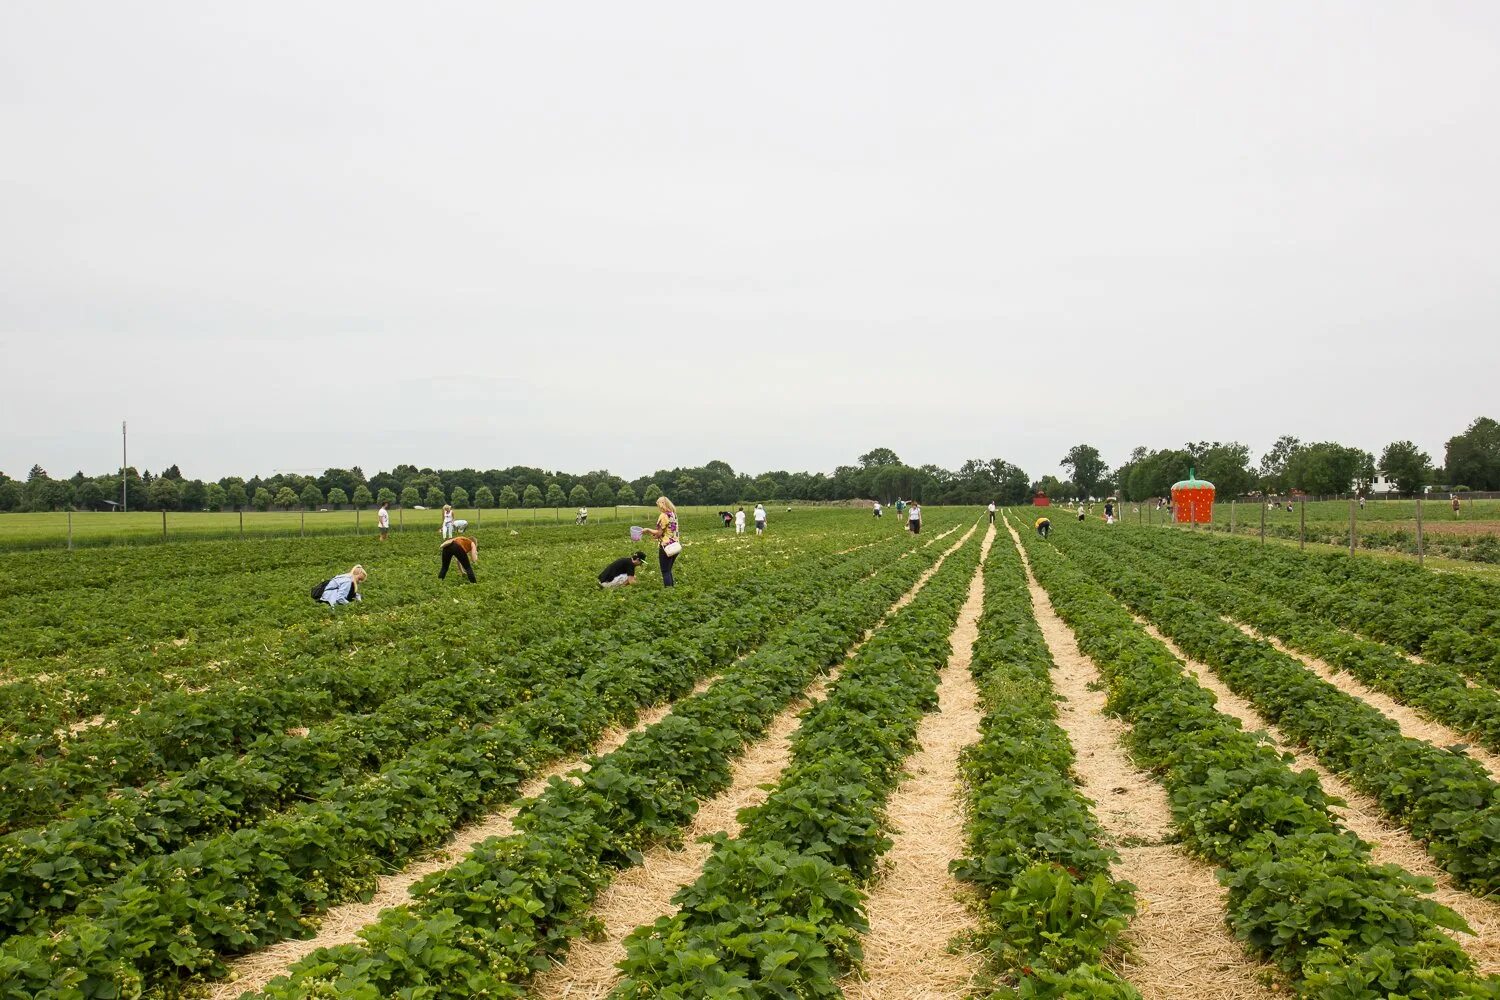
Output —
<point x="838" y="759"/>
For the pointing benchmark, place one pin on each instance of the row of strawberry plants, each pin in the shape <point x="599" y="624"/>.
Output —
<point x="1303" y="891"/>
<point x="1052" y="914"/>
<point x="304" y="687"/>
<point x="778" y="912"/>
<point x="1448" y="617"/>
<point x="48" y="872"/>
<point x="178" y="913"/>
<point x="483" y="926"/>
<point x="1436" y="688"/>
<point x="1446" y="799"/>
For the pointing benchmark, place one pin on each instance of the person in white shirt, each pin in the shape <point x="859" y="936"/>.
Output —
<point x="760" y="519"/>
<point x="739" y="521"/>
<point x="447" y="520"/>
<point x="914" y="518"/>
<point x="384" y="519"/>
<point x="877" y="508"/>
<point x="991" y="509"/>
<point x="583" y="516"/>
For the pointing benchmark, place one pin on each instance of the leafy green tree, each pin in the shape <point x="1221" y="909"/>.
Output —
<point x="362" y="497"/>
<point x="286" y="499"/>
<point x="263" y="499"/>
<point x="435" y="497"/>
<point x="410" y="497"/>
<point x="1274" y="463"/>
<point x="650" y="493"/>
<point x="604" y="494"/>
<point x="1473" y="457"/>
<point x="11" y="497"/>
<point x="555" y="495"/>
<point x="460" y="497"/>
<point x="625" y="496"/>
<point x="876" y="457"/>
<point x="532" y="497"/>
<point x="386" y="495"/>
<point x="579" y="497"/>
<point x="1406" y="464"/>
<point x="312" y="497"/>
<point x="1326" y="468"/>
<point x="214" y="496"/>
<point x="508" y="499"/>
<point x="88" y="496"/>
<point x="337" y="497"/>
<point x="194" y="495"/>
<point x="1086" y="466"/>
<point x="1225" y="464"/>
<point x="165" y="494"/>
<point x="685" y="490"/>
<point x="234" y="496"/>
<point x="484" y="497"/>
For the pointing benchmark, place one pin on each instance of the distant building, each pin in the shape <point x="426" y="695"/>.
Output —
<point x="1383" y="484"/>
<point x="1040" y="500"/>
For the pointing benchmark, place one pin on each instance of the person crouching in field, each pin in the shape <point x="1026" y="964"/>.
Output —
<point x="621" y="572"/>
<point x="341" y="589"/>
<point x="1043" y="527"/>
<point x="465" y="550"/>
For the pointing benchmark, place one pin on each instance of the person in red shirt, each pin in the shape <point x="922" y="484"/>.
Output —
<point x="465" y="550"/>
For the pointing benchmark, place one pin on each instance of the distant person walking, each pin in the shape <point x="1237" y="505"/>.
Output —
<point x="383" y="518"/>
<point x="739" y="521"/>
<point x="914" y="518"/>
<point x="760" y="519"/>
<point x="1043" y="527"/>
<point x="1455" y="505"/>
<point x="465" y="550"/>
<point x="1081" y="512"/>
<point x="991" y="509"/>
<point x="1109" y="512"/>
<point x="583" y="516"/>
<point x="341" y="589"/>
<point x="877" y="508"/>
<point x="447" y="520"/>
<point x="621" y="572"/>
<point x="668" y="539"/>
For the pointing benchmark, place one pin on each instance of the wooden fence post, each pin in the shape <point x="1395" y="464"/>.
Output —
<point x="1262" y="523"/>
<point x="1351" y="528"/>
<point x="164" y="525"/>
<point x="70" y="531"/>
<point x="242" y="524"/>
<point x="1420" y="560"/>
<point x="302" y="530"/>
<point x="1302" y="527"/>
<point x="1231" y="518"/>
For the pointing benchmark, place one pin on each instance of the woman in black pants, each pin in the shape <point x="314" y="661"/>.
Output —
<point x="463" y="548"/>
<point x="668" y="537"/>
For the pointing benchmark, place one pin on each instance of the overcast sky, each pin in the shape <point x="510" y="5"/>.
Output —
<point x="631" y="236"/>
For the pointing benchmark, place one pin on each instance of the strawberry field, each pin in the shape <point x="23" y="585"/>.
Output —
<point x="838" y="760"/>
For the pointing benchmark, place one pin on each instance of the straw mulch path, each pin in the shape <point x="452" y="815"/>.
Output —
<point x="1414" y="724"/>
<point x="341" y="924"/>
<point x="1363" y="816"/>
<point x="1181" y="947"/>
<point x="641" y="894"/>
<point x="917" y="908"/>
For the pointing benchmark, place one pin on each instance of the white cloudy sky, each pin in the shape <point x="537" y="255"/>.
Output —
<point x="290" y="235"/>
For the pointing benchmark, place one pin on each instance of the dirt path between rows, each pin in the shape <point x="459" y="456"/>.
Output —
<point x="1181" y="947"/>
<point x="1363" y="816"/>
<point x="917" y="909"/>
<point x="643" y="893"/>
<point x="1412" y="722"/>
<point x="340" y="925"/>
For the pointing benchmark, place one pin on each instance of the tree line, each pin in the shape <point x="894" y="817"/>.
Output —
<point x="1471" y="461"/>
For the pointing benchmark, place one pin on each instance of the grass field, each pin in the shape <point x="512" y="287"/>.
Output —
<point x="50" y="530"/>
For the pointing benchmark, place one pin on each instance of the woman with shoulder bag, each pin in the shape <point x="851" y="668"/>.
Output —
<point x="668" y="537"/>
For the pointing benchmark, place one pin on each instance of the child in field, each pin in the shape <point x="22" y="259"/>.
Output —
<point x="465" y="550"/>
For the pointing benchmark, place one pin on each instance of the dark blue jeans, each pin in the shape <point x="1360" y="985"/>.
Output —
<point x="665" y="562"/>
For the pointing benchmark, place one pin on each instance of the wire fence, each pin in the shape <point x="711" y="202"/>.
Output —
<point x="90" y="529"/>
